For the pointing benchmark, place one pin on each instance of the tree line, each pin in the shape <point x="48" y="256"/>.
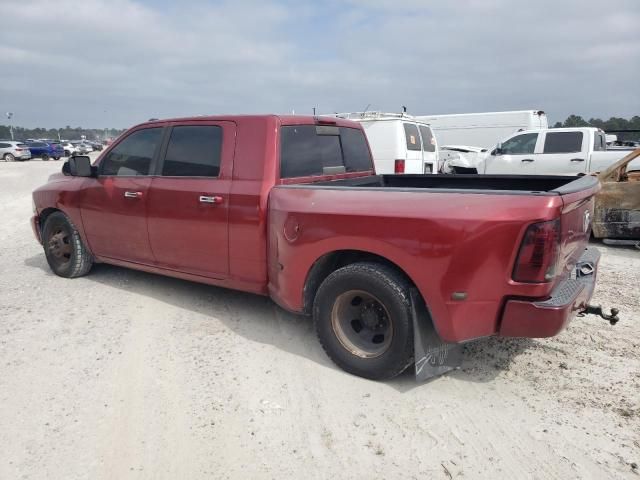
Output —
<point x="614" y="123"/>
<point x="66" y="133"/>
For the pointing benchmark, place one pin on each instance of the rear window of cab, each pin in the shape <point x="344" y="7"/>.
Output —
<point x="312" y="150"/>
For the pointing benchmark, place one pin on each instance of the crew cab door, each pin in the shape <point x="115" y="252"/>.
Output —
<point x="563" y="153"/>
<point x="113" y="205"/>
<point x="188" y="204"/>
<point x="515" y="157"/>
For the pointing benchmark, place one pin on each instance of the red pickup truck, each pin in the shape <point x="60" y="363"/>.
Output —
<point x="291" y="207"/>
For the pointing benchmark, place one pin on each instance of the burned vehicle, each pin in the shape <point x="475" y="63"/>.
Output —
<point x="617" y="208"/>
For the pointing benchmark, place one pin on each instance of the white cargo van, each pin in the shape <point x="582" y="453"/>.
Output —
<point x="483" y="129"/>
<point x="399" y="143"/>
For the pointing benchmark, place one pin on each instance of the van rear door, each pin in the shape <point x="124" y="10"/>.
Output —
<point x="429" y="150"/>
<point x="413" y="162"/>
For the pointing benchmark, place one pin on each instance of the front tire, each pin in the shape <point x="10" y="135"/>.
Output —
<point x="66" y="254"/>
<point x="362" y="316"/>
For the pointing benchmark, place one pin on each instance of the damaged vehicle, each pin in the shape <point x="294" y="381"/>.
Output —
<point x="617" y="209"/>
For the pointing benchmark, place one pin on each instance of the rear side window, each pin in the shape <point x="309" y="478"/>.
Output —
<point x="428" y="142"/>
<point x="4" y="145"/>
<point x="599" y="142"/>
<point x="308" y="150"/>
<point x="520" y="145"/>
<point x="412" y="136"/>
<point x="563" y="142"/>
<point x="193" y="151"/>
<point x="133" y="155"/>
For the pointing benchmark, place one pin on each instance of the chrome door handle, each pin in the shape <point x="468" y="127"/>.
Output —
<point x="215" y="199"/>
<point x="577" y="159"/>
<point x="527" y="160"/>
<point x="132" y="194"/>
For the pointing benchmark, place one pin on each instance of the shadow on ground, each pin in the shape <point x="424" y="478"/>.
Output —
<point x="258" y="319"/>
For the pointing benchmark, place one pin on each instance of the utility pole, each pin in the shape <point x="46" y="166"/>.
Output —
<point x="9" y="116"/>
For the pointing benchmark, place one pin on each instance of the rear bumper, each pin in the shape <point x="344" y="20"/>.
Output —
<point x="546" y="318"/>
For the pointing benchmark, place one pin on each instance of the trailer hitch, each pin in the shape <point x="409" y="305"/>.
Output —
<point x="597" y="310"/>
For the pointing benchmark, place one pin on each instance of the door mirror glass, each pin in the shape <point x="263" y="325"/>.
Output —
<point x="80" y="166"/>
<point x="498" y="150"/>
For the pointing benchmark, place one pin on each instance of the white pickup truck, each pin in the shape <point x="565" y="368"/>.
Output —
<point x="554" y="151"/>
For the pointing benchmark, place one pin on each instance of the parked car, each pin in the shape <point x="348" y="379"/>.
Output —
<point x="46" y="150"/>
<point x="617" y="209"/>
<point x="11" y="150"/>
<point x="291" y="207"/>
<point x="399" y="143"/>
<point x="69" y="149"/>
<point x="483" y="129"/>
<point x="82" y="148"/>
<point x="97" y="146"/>
<point x="461" y="159"/>
<point x="555" y="151"/>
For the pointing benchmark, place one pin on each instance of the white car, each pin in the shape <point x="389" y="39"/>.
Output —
<point x="463" y="159"/>
<point x="399" y="143"/>
<point x="69" y="149"/>
<point x="11" y="150"/>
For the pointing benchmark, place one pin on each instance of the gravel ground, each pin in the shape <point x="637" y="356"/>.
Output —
<point x="123" y="374"/>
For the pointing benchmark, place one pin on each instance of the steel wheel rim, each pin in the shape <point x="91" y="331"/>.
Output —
<point x="59" y="246"/>
<point x="362" y="324"/>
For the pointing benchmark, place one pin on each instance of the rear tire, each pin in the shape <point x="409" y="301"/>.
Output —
<point x="66" y="255"/>
<point x="56" y="158"/>
<point x="44" y="157"/>
<point x="362" y="316"/>
<point x="8" y="157"/>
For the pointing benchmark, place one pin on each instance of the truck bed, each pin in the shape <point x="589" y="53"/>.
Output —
<point x="508" y="184"/>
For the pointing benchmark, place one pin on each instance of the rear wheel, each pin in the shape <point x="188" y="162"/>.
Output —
<point x="66" y="254"/>
<point x="56" y="158"/>
<point x="362" y="316"/>
<point x="44" y="157"/>
<point x="8" y="157"/>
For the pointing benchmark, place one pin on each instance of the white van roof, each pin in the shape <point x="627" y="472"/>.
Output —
<point x="374" y="116"/>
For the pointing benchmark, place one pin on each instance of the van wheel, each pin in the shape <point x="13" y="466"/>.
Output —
<point x="44" y="157"/>
<point x="66" y="254"/>
<point x="362" y="316"/>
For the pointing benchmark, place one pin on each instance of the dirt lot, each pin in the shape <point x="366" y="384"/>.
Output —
<point x="123" y="374"/>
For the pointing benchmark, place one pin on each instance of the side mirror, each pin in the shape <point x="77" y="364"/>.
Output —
<point x="80" y="166"/>
<point x="498" y="150"/>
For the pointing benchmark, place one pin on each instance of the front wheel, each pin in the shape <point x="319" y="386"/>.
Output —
<point x="362" y="316"/>
<point x="66" y="254"/>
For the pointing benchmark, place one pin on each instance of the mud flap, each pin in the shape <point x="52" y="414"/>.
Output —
<point x="433" y="356"/>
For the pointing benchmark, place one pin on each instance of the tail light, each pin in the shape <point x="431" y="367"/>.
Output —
<point x="398" y="166"/>
<point x="538" y="256"/>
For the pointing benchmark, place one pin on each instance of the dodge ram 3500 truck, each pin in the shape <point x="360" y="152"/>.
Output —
<point x="291" y="207"/>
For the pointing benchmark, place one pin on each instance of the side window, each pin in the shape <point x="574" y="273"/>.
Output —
<point x="193" y="151"/>
<point x="428" y="142"/>
<point x="563" y="142"/>
<point x="133" y="155"/>
<point x="412" y="136"/>
<point x="599" y="142"/>
<point x="4" y="145"/>
<point x="520" y="145"/>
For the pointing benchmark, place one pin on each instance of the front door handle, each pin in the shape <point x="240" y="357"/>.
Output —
<point x="527" y="160"/>
<point x="577" y="159"/>
<point x="132" y="194"/>
<point x="215" y="199"/>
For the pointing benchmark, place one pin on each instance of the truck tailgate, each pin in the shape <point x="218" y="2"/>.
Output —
<point x="575" y="223"/>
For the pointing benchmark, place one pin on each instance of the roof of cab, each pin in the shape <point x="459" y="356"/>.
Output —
<point x="284" y="119"/>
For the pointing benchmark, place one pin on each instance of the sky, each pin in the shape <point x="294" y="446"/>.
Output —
<point x="115" y="63"/>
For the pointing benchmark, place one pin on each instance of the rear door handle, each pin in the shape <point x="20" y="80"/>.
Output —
<point x="527" y="160"/>
<point x="215" y="199"/>
<point x="577" y="159"/>
<point x="132" y="194"/>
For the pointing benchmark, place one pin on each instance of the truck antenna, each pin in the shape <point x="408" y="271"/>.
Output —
<point x="314" y="111"/>
<point x="404" y="109"/>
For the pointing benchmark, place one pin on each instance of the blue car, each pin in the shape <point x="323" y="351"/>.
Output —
<point x="46" y="150"/>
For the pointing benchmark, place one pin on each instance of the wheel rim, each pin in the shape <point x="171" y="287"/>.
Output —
<point x="9" y="157"/>
<point x="45" y="157"/>
<point x="362" y="324"/>
<point x="59" y="246"/>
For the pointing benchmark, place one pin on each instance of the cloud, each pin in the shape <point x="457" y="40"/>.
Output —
<point x="101" y="63"/>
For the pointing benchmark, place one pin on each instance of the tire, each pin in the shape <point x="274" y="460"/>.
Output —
<point x="8" y="157"/>
<point x="56" y="158"/>
<point x="66" y="255"/>
<point x="362" y="316"/>
<point x="67" y="153"/>
<point x="44" y="157"/>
